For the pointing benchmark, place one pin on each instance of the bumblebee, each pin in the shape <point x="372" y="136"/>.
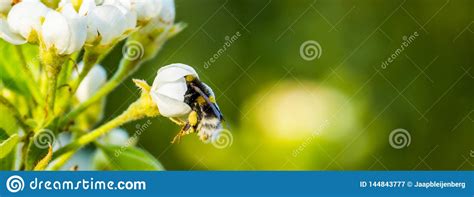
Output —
<point x="205" y="117"/>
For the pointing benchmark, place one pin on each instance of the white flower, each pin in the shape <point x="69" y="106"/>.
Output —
<point x="23" y="22"/>
<point x="145" y="9"/>
<point x="66" y="30"/>
<point x="94" y="80"/>
<point x="169" y="88"/>
<point x="108" y="22"/>
<point x="5" y="6"/>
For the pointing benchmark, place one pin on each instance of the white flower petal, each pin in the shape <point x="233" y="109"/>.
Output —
<point x="86" y="7"/>
<point x="26" y="16"/>
<point x="130" y="15"/>
<point x="77" y="28"/>
<point x="110" y="22"/>
<point x="174" y="90"/>
<point x="173" y="72"/>
<point x="147" y="9"/>
<point x="127" y="4"/>
<point x="56" y="32"/>
<point x="8" y="35"/>
<point x="168" y="12"/>
<point x="170" y="107"/>
<point x="94" y="80"/>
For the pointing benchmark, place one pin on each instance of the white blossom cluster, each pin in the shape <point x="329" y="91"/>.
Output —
<point x="68" y="28"/>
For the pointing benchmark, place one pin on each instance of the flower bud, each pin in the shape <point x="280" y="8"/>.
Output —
<point x="94" y="80"/>
<point x="65" y="31"/>
<point x="169" y="88"/>
<point x="23" y="22"/>
<point x="107" y="23"/>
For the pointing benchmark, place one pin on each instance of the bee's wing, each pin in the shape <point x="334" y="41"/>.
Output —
<point x="206" y="98"/>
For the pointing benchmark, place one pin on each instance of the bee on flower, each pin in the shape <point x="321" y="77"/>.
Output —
<point x="178" y="92"/>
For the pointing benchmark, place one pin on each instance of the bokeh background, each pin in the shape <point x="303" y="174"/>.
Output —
<point x="335" y="112"/>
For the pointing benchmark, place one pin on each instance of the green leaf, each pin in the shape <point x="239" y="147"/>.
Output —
<point x="7" y="122"/>
<point x="3" y="134"/>
<point x="129" y="158"/>
<point x="8" y="162"/>
<point x="7" y="143"/>
<point x="43" y="163"/>
<point x="38" y="147"/>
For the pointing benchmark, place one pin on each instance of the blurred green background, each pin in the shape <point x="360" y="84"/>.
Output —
<point x="335" y="112"/>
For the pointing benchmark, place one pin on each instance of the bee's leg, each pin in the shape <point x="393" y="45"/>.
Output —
<point x="177" y="138"/>
<point x="178" y="121"/>
<point x="188" y="127"/>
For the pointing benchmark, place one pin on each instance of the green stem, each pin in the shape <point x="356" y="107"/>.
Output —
<point x="53" y="64"/>
<point x="89" y="60"/>
<point x="125" y="69"/>
<point x="52" y="74"/>
<point x="137" y="110"/>
<point x="60" y="161"/>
